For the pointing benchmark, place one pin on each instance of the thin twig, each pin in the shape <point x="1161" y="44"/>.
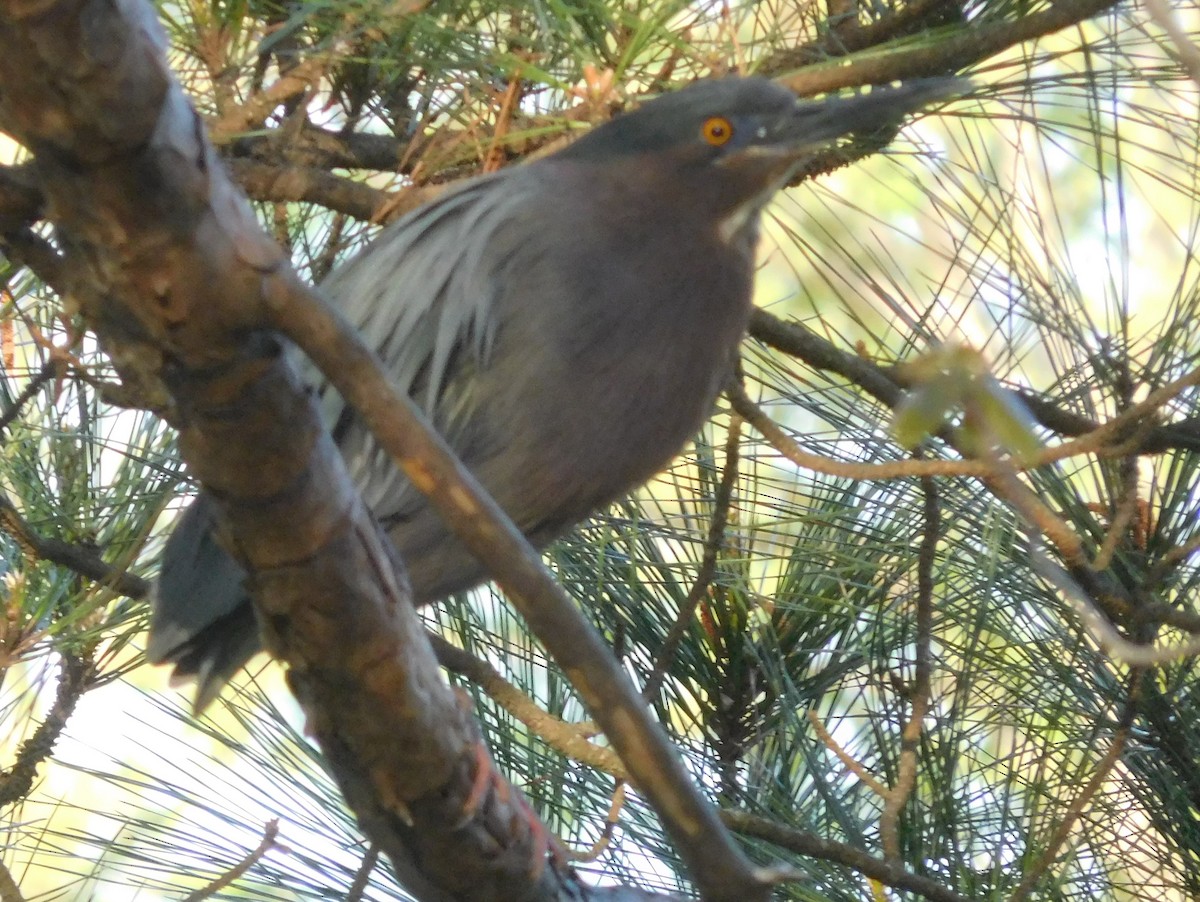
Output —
<point x="48" y="371"/>
<point x="855" y="767"/>
<point x="567" y="738"/>
<point x="1065" y="826"/>
<point x="1007" y="486"/>
<point x="610" y="827"/>
<point x="981" y="468"/>
<point x="270" y="834"/>
<point x="73" y="557"/>
<point x="512" y="95"/>
<point x="1171" y="559"/>
<point x="254" y="112"/>
<point x="803" y="843"/>
<point x="910" y="734"/>
<point x="1118" y="524"/>
<point x="363" y="876"/>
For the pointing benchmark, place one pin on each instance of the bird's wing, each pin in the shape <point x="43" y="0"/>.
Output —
<point x="422" y="294"/>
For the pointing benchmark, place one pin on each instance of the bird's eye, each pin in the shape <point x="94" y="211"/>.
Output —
<point x="717" y="130"/>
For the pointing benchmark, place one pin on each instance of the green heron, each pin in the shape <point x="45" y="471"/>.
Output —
<point x="566" y="324"/>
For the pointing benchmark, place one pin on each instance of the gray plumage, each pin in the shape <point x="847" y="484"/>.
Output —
<point x="566" y="324"/>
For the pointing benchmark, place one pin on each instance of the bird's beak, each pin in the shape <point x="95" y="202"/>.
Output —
<point x="814" y="124"/>
<point x="782" y="142"/>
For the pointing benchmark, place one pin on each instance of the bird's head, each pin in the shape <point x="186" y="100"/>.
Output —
<point x="736" y="140"/>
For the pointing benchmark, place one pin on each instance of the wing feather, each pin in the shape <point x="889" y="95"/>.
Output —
<point x="423" y="295"/>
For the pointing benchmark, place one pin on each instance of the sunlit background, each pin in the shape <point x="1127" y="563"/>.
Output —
<point x="1048" y="221"/>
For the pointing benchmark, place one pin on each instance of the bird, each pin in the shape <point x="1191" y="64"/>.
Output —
<point x="566" y="324"/>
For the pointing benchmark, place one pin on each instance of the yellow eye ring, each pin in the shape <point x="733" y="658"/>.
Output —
<point x="717" y="130"/>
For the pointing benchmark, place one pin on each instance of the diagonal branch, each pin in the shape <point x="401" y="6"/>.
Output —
<point x="173" y="273"/>
<point x="827" y="850"/>
<point x="74" y="679"/>
<point x="607" y="692"/>
<point x="167" y="264"/>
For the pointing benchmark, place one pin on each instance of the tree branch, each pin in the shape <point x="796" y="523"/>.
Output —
<point x="173" y="276"/>
<point x="74" y="557"/>
<point x="20" y="200"/>
<point x="708" y="564"/>
<point x="826" y="850"/>
<point x="887" y="384"/>
<point x="952" y="52"/>
<point x="169" y="265"/>
<point x="919" y="692"/>
<point x="307" y="184"/>
<point x="1066" y="825"/>
<point x="268" y="842"/>
<point x="566" y="738"/>
<point x="610" y="697"/>
<point x="22" y="246"/>
<point x="74" y="679"/>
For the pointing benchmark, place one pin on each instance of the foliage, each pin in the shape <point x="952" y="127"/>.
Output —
<point x="1048" y="221"/>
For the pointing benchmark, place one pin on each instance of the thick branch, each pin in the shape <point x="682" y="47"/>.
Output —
<point x="166" y="261"/>
<point x="324" y="148"/>
<point x="266" y="182"/>
<point x="20" y="199"/>
<point x="25" y="248"/>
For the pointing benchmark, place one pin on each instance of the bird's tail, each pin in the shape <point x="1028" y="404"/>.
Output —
<point x="201" y="619"/>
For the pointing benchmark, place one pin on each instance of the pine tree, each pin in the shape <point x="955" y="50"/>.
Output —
<point x="918" y="609"/>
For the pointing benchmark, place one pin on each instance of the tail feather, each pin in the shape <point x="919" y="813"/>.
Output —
<point x="201" y="618"/>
